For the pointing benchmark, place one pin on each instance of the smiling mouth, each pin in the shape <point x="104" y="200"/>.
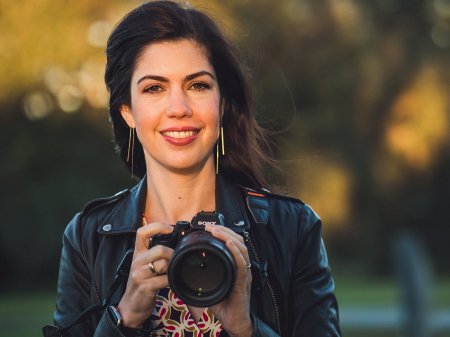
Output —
<point x="181" y="134"/>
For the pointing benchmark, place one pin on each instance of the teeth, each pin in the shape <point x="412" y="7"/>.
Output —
<point x="182" y="134"/>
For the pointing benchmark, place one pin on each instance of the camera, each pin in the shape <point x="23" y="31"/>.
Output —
<point x="202" y="271"/>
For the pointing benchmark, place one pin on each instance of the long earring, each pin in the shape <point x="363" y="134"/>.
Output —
<point x="217" y="149"/>
<point x="132" y="150"/>
<point x="217" y="158"/>
<point x="223" y="144"/>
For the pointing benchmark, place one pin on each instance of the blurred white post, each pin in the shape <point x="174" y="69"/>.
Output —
<point x="414" y="274"/>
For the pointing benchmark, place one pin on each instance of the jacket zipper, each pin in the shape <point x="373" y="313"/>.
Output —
<point x="255" y="253"/>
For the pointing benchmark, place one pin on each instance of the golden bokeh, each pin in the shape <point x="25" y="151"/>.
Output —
<point x="418" y="126"/>
<point x="326" y="185"/>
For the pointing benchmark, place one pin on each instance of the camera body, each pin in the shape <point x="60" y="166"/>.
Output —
<point x="184" y="228"/>
<point x="202" y="270"/>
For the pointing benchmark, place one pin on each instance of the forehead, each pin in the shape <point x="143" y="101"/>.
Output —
<point x="172" y="59"/>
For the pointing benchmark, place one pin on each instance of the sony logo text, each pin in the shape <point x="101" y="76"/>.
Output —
<point x="204" y="223"/>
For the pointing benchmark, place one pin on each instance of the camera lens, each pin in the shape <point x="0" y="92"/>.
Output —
<point x="202" y="271"/>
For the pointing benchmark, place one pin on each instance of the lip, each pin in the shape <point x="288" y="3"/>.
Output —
<point x="182" y="128"/>
<point x="180" y="141"/>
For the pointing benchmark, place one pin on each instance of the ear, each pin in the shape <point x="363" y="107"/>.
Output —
<point x="127" y="115"/>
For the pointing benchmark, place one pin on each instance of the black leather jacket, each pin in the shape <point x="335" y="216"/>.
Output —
<point x="297" y="299"/>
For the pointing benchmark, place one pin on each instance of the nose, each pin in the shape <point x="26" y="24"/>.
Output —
<point x="178" y="105"/>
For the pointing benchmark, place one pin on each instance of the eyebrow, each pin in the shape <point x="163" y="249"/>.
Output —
<point x="166" y="80"/>
<point x="200" y="73"/>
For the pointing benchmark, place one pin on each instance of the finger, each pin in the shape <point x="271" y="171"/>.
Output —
<point x="157" y="253"/>
<point x="227" y="234"/>
<point x="238" y="258"/>
<point x="143" y="280"/>
<point x="241" y="263"/>
<point x="227" y="230"/>
<point x="154" y="284"/>
<point x="220" y="234"/>
<point x="160" y="266"/>
<point x="144" y="234"/>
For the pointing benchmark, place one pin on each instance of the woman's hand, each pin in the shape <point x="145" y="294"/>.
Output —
<point x="139" y="300"/>
<point x="234" y="312"/>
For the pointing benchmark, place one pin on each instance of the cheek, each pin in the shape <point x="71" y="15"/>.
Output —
<point x="214" y="122"/>
<point x="144" y="115"/>
<point x="213" y="115"/>
<point x="145" y="124"/>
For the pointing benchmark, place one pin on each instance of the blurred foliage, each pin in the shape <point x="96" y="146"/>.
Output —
<point x="357" y="89"/>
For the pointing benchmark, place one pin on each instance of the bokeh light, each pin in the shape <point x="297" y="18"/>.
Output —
<point x="37" y="105"/>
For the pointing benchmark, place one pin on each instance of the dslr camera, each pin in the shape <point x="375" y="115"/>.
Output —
<point x="202" y="271"/>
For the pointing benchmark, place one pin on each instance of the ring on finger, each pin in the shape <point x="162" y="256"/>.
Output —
<point x="249" y="266"/>
<point x="152" y="268"/>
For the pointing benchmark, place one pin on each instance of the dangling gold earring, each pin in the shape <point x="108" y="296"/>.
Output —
<point x="217" y="149"/>
<point x="132" y="150"/>
<point x="223" y="145"/>
<point x="217" y="158"/>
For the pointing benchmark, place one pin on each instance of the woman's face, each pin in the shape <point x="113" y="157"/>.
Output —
<point x="175" y="103"/>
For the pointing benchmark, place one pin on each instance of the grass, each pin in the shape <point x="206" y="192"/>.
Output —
<point x="24" y="314"/>
<point x="361" y="291"/>
<point x="370" y="292"/>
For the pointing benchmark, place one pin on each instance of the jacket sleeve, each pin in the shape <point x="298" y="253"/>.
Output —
<point x="313" y="308"/>
<point x="75" y="292"/>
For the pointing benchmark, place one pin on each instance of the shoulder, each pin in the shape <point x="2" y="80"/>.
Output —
<point x="85" y="223"/>
<point x="291" y="202"/>
<point x="99" y="203"/>
<point x="279" y="207"/>
<point x="294" y="216"/>
<point x="276" y="201"/>
<point x="282" y="198"/>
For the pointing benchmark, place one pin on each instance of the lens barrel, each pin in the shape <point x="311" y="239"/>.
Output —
<point x="202" y="270"/>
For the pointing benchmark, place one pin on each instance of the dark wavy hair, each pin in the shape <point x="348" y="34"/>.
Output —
<point x="159" y="21"/>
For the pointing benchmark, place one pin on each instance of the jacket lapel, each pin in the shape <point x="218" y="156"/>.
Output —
<point x="229" y="201"/>
<point x="126" y="217"/>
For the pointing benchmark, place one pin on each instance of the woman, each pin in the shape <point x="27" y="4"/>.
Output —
<point x="178" y="91"/>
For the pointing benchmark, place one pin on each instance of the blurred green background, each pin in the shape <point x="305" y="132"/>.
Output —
<point x="358" y="89"/>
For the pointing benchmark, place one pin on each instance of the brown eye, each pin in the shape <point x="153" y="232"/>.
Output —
<point x="153" y="89"/>
<point x="200" y="86"/>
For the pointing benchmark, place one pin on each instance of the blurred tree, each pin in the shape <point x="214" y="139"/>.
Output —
<point x="369" y="81"/>
<point x="358" y="90"/>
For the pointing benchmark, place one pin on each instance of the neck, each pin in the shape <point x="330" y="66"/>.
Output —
<point x="174" y="196"/>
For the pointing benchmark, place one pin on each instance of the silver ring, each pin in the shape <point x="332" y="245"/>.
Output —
<point x="249" y="266"/>
<point x="152" y="268"/>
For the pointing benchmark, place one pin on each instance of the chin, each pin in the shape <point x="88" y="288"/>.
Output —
<point x="181" y="162"/>
<point x="187" y="166"/>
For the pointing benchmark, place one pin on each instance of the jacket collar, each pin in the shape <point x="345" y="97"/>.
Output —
<point x="126" y="216"/>
<point x="230" y="201"/>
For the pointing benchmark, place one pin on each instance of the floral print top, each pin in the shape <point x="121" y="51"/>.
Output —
<point x="173" y="318"/>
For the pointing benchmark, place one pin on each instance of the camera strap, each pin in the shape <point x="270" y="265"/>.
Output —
<point x="121" y="277"/>
<point x="258" y="205"/>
